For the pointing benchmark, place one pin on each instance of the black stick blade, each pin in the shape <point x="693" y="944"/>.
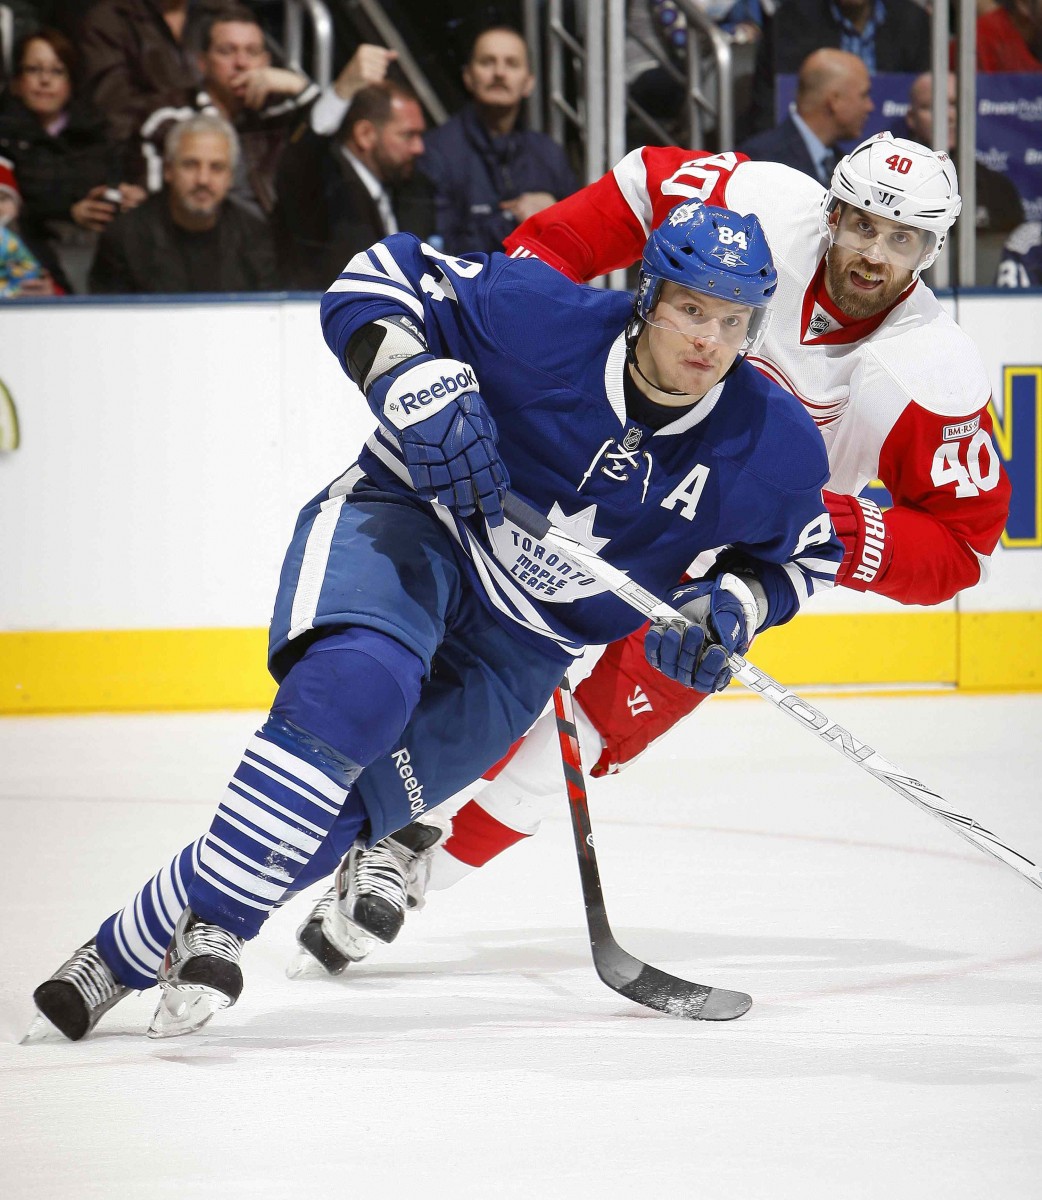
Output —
<point x="647" y="985"/>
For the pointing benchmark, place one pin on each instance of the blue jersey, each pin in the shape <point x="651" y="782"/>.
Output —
<point x="743" y="469"/>
<point x="1021" y="263"/>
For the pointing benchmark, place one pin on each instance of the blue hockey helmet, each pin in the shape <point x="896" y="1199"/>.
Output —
<point x="712" y="251"/>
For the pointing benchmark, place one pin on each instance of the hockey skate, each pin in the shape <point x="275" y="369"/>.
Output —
<point x="76" y="996"/>
<point x="367" y="902"/>
<point x="199" y="977"/>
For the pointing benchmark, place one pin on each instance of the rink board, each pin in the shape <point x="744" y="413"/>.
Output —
<point x="166" y="448"/>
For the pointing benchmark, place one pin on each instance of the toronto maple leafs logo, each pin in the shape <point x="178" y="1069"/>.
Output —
<point x="684" y="213"/>
<point x="551" y="572"/>
<point x="579" y="526"/>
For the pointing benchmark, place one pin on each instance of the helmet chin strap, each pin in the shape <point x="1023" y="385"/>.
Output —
<point x="633" y="332"/>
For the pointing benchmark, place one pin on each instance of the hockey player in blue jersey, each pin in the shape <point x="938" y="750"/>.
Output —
<point x="417" y="633"/>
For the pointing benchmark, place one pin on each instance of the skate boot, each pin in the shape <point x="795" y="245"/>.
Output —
<point x="77" y="995"/>
<point x="326" y="943"/>
<point x="199" y="976"/>
<point x="367" y="903"/>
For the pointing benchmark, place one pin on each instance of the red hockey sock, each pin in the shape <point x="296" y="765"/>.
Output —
<point x="478" y="837"/>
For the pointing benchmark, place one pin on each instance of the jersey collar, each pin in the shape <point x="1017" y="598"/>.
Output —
<point x="823" y="324"/>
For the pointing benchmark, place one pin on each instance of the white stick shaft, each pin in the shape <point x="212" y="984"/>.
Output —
<point x="870" y="760"/>
<point x="835" y="735"/>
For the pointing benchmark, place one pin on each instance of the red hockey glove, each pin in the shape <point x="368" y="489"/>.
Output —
<point x="867" y="543"/>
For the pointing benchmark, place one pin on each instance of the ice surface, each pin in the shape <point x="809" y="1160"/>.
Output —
<point x="894" y="1048"/>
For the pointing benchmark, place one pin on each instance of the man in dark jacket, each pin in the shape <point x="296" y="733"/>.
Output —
<point x="139" y="55"/>
<point x="189" y="237"/>
<point x="887" y="35"/>
<point x="338" y="195"/>
<point x="833" y="100"/>
<point x="489" y="173"/>
<point x="263" y="102"/>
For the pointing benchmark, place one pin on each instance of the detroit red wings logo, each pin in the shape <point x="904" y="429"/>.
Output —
<point x="822" y="412"/>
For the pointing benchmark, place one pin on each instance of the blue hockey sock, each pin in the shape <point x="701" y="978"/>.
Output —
<point x="133" y="941"/>
<point x="343" y="704"/>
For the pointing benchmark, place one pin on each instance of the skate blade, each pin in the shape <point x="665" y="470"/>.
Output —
<point x="40" y="1030"/>
<point x="307" y="966"/>
<point x="182" y="1010"/>
<point x="350" y="939"/>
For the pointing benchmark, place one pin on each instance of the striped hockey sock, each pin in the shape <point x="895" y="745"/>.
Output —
<point x="133" y="941"/>
<point x="276" y="812"/>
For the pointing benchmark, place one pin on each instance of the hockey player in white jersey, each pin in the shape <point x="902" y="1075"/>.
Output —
<point x="417" y="632"/>
<point x="897" y="390"/>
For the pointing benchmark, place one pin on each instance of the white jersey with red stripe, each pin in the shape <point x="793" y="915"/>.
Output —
<point x="901" y="396"/>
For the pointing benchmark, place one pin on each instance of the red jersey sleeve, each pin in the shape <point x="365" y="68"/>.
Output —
<point x="603" y="227"/>
<point x="951" y="500"/>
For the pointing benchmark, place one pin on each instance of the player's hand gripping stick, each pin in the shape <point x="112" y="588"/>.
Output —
<point x="447" y="435"/>
<point x="813" y="719"/>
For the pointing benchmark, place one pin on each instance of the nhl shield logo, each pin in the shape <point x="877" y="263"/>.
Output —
<point x="631" y="439"/>
<point x="819" y="324"/>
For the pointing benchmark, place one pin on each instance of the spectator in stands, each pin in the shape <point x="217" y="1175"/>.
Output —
<point x="69" y="171"/>
<point x="490" y="173"/>
<point x="833" y="101"/>
<point x="262" y="102"/>
<point x="140" y="55"/>
<point x="999" y="208"/>
<point x="1021" y="262"/>
<point x="1009" y="38"/>
<point x="368" y="65"/>
<point x="20" y="272"/>
<point x="190" y="237"/>
<point x="887" y="35"/>
<point x="340" y="194"/>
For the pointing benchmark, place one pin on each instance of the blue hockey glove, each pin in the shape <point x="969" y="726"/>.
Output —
<point x="722" y="615"/>
<point x="447" y="435"/>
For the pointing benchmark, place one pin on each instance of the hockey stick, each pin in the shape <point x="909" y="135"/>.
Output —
<point x="829" y="731"/>
<point x="636" y="980"/>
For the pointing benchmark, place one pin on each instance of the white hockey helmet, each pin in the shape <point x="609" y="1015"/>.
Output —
<point x="900" y="181"/>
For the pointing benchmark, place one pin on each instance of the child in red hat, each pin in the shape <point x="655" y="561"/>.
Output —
<point x="18" y="266"/>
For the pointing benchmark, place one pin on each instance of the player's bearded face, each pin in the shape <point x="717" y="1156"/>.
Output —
<point x="858" y="277"/>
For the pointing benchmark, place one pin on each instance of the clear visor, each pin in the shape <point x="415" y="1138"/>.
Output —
<point x="735" y="326"/>
<point x="879" y="240"/>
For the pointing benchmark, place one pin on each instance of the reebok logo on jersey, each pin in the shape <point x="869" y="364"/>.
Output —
<point x="413" y="788"/>
<point x="639" y="703"/>
<point x="963" y="430"/>
<point x="426" y="389"/>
